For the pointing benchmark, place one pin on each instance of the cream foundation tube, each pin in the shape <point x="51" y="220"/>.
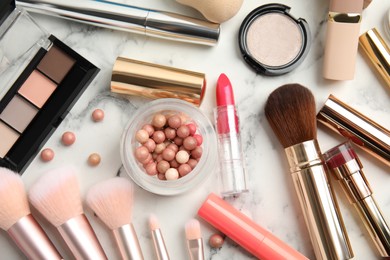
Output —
<point x="345" y="165"/>
<point x="342" y="38"/>
<point x="245" y="232"/>
<point x="362" y="131"/>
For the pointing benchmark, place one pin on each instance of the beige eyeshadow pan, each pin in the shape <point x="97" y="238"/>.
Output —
<point x="18" y="113"/>
<point x="8" y="139"/>
<point x="37" y="89"/>
<point x="56" y="64"/>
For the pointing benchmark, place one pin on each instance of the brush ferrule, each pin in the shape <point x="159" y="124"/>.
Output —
<point x="159" y="245"/>
<point x="128" y="244"/>
<point x="318" y="203"/>
<point x="32" y="240"/>
<point x="195" y="249"/>
<point x="81" y="239"/>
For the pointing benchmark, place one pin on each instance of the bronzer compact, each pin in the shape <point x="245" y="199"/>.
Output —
<point x="40" y="80"/>
<point x="272" y="41"/>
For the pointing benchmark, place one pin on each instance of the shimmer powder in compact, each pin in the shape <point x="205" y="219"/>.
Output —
<point x="272" y="41"/>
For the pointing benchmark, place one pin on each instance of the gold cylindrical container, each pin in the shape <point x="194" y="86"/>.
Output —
<point x="320" y="209"/>
<point x="361" y="130"/>
<point x="343" y="162"/>
<point x="138" y="78"/>
<point x="378" y="52"/>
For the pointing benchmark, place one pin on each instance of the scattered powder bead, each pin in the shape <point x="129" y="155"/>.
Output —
<point x="68" y="138"/>
<point x="184" y="169"/>
<point x="159" y="121"/>
<point x="182" y="156"/>
<point x="192" y="128"/>
<point x="174" y="122"/>
<point x="170" y="133"/>
<point x="97" y="115"/>
<point x="150" y="144"/>
<point x="142" y="136"/>
<point x="172" y="174"/>
<point x="47" y="155"/>
<point x="94" y="159"/>
<point x="216" y="241"/>
<point x="183" y="131"/>
<point x="199" y="139"/>
<point x="168" y="154"/>
<point x="148" y="128"/>
<point x="159" y="137"/>
<point x="190" y="143"/>
<point x="163" y="166"/>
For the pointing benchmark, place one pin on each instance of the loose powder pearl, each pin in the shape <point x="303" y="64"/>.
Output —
<point x="47" y="155"/>
<point x="142" y="136"/>
<point x="216" y="241"/>
<point x="183" y="131"/>
<point x="172" y="174"/>
<point x="174" y="122"/>
<point x="192" y="163"/>
<point x="190" y="143"/>
<point x="182" y="157"/>
<point x="161" y="177"/>
<point x="174" y="164"/>
<point x="160" y="148"/>
<point x="141" y="153"/>
<point x="151" y="169"/>
<point x="159" y="120"/>
<point x="178" y="141"/>
<point x="199" y="139"/>
<point x="163" y="166"/>
<point x="168" y="154"/>
<point x="148" y="128"/>
<point x="184" y="169"/>
<point x="68" y="138"/>
<point x="170" y="133"/>
<point x="151" y="145"/>
<point x="197" y="152"/>
<point x="94" y="159"/>
<point x="159" y="137"/>
<point x="97" y="115"/>
<point x="192" y="128"/>
<point x="173" y="147"/>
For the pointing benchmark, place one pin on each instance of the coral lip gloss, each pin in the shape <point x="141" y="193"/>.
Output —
<point x="232" y="169"/>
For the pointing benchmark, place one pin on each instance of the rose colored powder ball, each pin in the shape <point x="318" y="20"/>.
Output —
<point x="174" y="122"/>
<point x="192" y="128"/>
<point x="141" y="153"/>
<point x="159" y="158"/>
<point x="199" y="139"/>
<point x="148" y="159"/>
<point x="160" y="148"/>
<point x="97" y="115"/>
<point x="151" y="168"/>
<point x="68" y="138"/>
<point x="197" y="152"/>
<point x="163" y="166"/>
<point x="216" y="241"/>
<point x="170" y="133"/>
<point x="47" y="155"/>
<point x="178" y="141"/>
<point x="159" y="121"/>
<point x="184" y="169"/>
<point x="173" y="147"/>
<point x="190" y="143"/>
<point x="142" y="136"/>
<point x="159" y="137"/>
<point x="168" y="154"/>
<point x="148" y="128"/>
<point x="161" y="177"/>
<point x="150" y="144"/>
<point x="183" y="131"/>
<point x="192" y="163"/>
<point x="94" y="159"/>
<point x="174" y="164"/>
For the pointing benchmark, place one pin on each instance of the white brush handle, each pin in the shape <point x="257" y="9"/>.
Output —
<point x="32" y="240"/>
<point x="81" y="239"/>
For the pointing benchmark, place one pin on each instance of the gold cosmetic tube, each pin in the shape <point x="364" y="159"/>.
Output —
<point x="361" y="130"/>
<point x="378" y="53"/>
<point x="318" y="203"/>
<point x="345" y="165"/>
<point x="155" y="81"/>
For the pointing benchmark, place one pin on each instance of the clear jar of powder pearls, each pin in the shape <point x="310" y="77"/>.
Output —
<point x="144" y="115"/>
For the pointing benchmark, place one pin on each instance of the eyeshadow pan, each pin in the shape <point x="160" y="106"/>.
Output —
<point x="8" y="139"/>
<point x="37" y="89"/>
<point x="56" y="64"/>
<point x="18" y="113"/>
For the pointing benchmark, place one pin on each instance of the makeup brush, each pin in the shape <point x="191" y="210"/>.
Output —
<point x="290" y="110"/>
<point x="194" y="240"/>
<point x="158" y="239"/>
<point x="112" y="202"/>
<point x="17" y="221"/>
<point x="56" y="195"/>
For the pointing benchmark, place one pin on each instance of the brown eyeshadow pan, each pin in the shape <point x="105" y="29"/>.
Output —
<point x="18" y="114"/>
<point x="56" y="64"/>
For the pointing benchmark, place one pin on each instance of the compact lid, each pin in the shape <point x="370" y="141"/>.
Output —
<point x="6" y="8"/>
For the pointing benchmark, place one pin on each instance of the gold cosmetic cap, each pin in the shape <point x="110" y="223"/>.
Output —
<point x="376" y="49"/>
<point x="361" y="130"/>
<point x="138" y="78"/>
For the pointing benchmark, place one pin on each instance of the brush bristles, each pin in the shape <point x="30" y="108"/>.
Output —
<point x="193" y="230"/>
<point x="112" y="201"/>
<point x="13" y="199"/>
<point x="291" y="112"/>
<point x="153" y="222"/>
<point x="56" y="195"/>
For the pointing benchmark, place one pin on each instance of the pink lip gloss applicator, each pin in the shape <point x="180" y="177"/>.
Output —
<point x="232" y="168"/>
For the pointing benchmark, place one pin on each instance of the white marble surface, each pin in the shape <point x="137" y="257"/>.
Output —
<point x="271" y="201"/>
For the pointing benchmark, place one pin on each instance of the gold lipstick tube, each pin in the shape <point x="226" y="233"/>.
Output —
<point x="318" y="203"/>
<point x="155" y="81"/>
<point x="361" y="130"/>
<point x="345" y="165"/>
<point x="32" y="240"/>
<point x="128" y="244"/>
<point x="378" y="53"/>
<point x="81" y="239"/>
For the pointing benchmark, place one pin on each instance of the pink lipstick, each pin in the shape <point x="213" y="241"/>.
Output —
<point x="232" y="168"/>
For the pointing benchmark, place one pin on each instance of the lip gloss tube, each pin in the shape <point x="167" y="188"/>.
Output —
<point x="232" y="169"/>
<point x="245" y="232"/>
<point x="347" y="168"/>
<point x="342" y="38"/>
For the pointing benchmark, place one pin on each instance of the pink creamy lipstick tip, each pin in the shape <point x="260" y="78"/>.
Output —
<point x="225" y="95"/>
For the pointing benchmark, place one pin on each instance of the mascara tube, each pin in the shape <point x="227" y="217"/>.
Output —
<point x="345" y="165"/>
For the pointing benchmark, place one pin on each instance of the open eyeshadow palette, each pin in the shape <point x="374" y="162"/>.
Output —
<point x="39" y="83"/>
